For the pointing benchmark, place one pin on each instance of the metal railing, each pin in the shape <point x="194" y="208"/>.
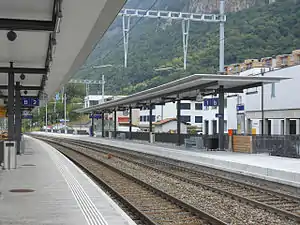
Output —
<point x="277" y="145"/>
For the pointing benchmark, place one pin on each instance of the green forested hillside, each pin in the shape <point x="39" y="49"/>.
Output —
<point x="251" y="33"/>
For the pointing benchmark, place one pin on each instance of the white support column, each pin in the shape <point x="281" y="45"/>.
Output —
<point x="286" y="126"/>
<point x="266" y="126"/>
<point x="126" y="29"/>
<point x="298" y="126"/>
<point x="222" y="36"/>
<point x="185" y="40"/>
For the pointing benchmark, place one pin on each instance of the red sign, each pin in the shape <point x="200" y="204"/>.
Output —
<point x="123" y="119"/>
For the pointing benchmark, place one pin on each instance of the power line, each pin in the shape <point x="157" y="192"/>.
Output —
<point x="134" y="25"/>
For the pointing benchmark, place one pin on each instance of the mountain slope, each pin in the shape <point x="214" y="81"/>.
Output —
<point x="261" y="30"/>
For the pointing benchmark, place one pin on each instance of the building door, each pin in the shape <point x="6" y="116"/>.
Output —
<point x="249" y="126"/>
<point x="269" y="127"/>
<point x="214" y="127"/>
<point x="206" y="127"/>
<point x="292" y="126"/>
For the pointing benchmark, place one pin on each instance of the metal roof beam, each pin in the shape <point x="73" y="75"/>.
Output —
<point x="26" y="25"/>
<point x="240" y="89"/>
<point x="28" y="88"/>
<point x="23" y="70"/>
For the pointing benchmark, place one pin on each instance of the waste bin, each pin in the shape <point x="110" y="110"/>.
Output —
<point x="1" y="152"/>
<point x="213" y="143"/>
<point x="10" y="157"/>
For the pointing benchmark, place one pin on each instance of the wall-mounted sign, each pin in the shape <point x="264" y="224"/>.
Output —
<point x="219" y="115"/>
<point x="240" y="107"/>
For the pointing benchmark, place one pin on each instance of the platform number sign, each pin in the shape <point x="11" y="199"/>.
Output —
<point x="211" y="102"/>
<point x="30" y="102"/>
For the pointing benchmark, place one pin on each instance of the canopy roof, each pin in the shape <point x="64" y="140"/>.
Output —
<point x="54" y="38"/>
<point x="185" y="89"/>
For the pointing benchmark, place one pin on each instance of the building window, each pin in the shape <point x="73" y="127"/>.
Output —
<point x="93" y="102"/>
<point x="185" y="119"/>
<point x="141" y="118"/>
<point x="148" y="118"/>
<point x="198" y="119"/>
<point x="185" y="106"/>
<point x="198" y="106"/>
<point x="153" y="118"/>
<point x="145" y="118"/>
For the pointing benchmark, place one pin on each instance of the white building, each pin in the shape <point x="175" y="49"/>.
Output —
<point x="281" y="106"/>
<point x="91" y="100"/>
<point x="169" y="125"/>
<point x="191" y="112"/>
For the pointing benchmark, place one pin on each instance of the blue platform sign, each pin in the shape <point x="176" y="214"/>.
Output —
<point x="27" y="116"/>
<point x="211" y="102"/>
<point x="240" y="108"/>
<point x="96" y="116"/>
<point x="28" y="101"/>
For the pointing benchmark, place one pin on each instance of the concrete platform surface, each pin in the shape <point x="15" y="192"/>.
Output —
<point x="272" y="168"/>
<point x="62" y="193"/>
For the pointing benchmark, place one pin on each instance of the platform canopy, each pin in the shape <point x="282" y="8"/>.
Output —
<point x="53" y="39"/>
<point x="187" y="88"/>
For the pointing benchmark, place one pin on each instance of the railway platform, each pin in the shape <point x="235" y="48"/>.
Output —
<point x="270" y="168"/>
<point x="47" y="188"/>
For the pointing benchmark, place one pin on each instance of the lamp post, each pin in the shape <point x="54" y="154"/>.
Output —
<point x="262" y="71"/>
<point x="103" y="81"/>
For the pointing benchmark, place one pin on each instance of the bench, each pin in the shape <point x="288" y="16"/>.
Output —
<point x="121" y="136"/>
<point x="194" y="141"/>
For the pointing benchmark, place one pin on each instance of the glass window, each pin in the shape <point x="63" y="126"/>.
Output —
<point x="145" y="118"/>
<point x="185" y="106"/>
<point x="93" y="102"/>
<point x="153" y="118"/>
<point x="198" y="106"/>
<point x="148" y="118"/>
<point x="141" y="118"/>
<point x="198" y="119"/>
<point x="185" y="119"/>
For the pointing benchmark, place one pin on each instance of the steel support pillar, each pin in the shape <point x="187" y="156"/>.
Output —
<point x="221" y="118"/>
<point x="185" y="40"/>
<point x="126" y="30"/>
<point x="102" y="124"/>
<point x="92" y="127"/>
<point x="130" y="123"/>
<point x="10" y="103"/>
<point x="150" y="122"/>
<point x="115" y="123"/>
<point x="18" y="126"/>
<point x="178" y="123"/>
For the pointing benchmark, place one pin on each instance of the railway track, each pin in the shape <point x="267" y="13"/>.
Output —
<point x="152" y="206"/>
<point x="282" y="204"/>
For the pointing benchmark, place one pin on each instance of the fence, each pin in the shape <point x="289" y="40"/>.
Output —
<point x="277" y="145"/>
<point x="170" y="138"/>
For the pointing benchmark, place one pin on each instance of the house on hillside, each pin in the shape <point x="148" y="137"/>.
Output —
<point x="169" y="125"/>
